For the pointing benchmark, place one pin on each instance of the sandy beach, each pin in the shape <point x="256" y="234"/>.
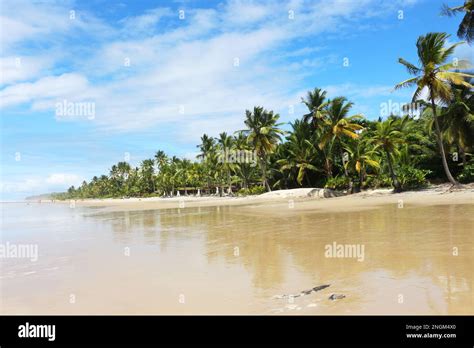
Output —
<point x="242" y="255"/>
<point x="298" y="199"/>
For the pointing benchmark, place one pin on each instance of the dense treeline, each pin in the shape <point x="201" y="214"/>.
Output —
<point x="326" y="147"/>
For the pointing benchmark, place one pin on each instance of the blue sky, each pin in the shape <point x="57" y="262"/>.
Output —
<point x="159" y="74"/>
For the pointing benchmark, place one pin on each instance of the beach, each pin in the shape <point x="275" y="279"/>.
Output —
<point x="378" y="252"/>
<point x="299" y="199"/>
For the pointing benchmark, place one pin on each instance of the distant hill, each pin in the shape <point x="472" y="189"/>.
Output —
<point x="37" y="197"/>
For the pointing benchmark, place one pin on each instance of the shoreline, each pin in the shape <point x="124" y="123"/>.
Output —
<point x="299" y="199"/>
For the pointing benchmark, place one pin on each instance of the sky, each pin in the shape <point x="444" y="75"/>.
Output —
<point x="87" y="84"/>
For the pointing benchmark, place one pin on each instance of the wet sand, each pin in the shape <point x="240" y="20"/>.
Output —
<point x="234" y="258"/>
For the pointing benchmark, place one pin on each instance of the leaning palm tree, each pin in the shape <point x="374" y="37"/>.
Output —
<point x="435" y="75"/>
<point x="263" y="134"/>
<point x="387" y="136"/>
<point x="466" y="27"/>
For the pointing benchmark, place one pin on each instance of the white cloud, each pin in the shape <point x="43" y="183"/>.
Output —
<point x="63" y="179"/>
<point x="190" y="66"/>
<point x="21" y="68"/>
<point x="134" y="25"/>
<point x="49" y="88"/>
<point x="32" y="185"/>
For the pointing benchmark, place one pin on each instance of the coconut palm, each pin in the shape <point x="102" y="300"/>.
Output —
<point x="387" y="136"/>
<point x="301" y="153"/>
<point x="244" y="169"/>
<point x="263" y="134"/>
<point x="435" y="75"/>
<point x="315" y="102"/>
<point x="160" y="159"/>
<point x="362" y="155"/>
<point x="227" y="164"/>
<point x="466" y="27"/>
<point x="336" y="126"/>
<point x="147" y="172"/>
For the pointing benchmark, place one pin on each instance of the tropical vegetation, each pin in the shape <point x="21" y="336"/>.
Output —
<point x="328" y="146"/>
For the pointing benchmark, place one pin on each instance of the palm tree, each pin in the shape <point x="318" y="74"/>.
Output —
<point x="336" y="126"/>
<point x="315" y="102"/>
<point x="361" y="156"/>
<point x="208" y="157"/>
<point x="123" y="169"/>
<point x="160" y="159"/>
<point x="263" y="134"/>
<point x="243" y="169"/>
<point x="301" y="152"/>
<point x="206" y="146"/>
<point x="457" y="119"/>
<point x="387" y="136"/>
<point x="466" y="27"/>
<point x="225" y="141"/>
<point x="147" y="176"/>
<point x="435" y="75"/>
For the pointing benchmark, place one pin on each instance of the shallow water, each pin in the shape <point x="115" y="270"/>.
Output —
<point x="234" y="260"/>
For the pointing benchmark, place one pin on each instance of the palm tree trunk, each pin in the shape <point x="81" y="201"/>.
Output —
<point x="229" y="182"/>
<point x="396" y="183"/>
<point x="463" y="156"/>
<point x="263" y="166"/>
<point x="346" y="174"/>
<point x="308" y="181"/>
<point x="440" y="143"/>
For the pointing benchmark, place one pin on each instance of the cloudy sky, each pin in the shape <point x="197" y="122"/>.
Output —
<point x="85" y="83"/>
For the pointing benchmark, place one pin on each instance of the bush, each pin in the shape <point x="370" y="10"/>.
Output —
<point x="412" y="178"/>
<point x="378" y="181"/>
<point x="255" y="190"/>
<point x="467" y="173"/>
<point x="337" y="183"/>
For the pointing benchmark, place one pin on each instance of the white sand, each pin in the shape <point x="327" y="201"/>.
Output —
<point x="307" y="198"/>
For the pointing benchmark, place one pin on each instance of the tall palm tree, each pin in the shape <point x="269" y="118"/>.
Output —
<point x="435" y="75"/>
<point x="466" y="27"/>
<point x="147" y="175"/>
<point x="208" y="157"/>
<point x="206" y="146"/>
<point x="315" y="102"/>
<point x="336" y="126"/>
<point x="160" y="159"/>
<point x="244" y="169"/>
<point x="263" y="134"/>
<point x="387" y="136"/>
<point x="226" y="143"/>
<point x="301" y="152"/>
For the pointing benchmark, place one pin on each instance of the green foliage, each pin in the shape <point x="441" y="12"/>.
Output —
<point x="379" y="181"/>
<point x="337" y="183"/>
<point x="412" y="178"/>
<point x="325" y="148"/>
<point x="467" y="174"/>
<point x="256" y="190"/>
